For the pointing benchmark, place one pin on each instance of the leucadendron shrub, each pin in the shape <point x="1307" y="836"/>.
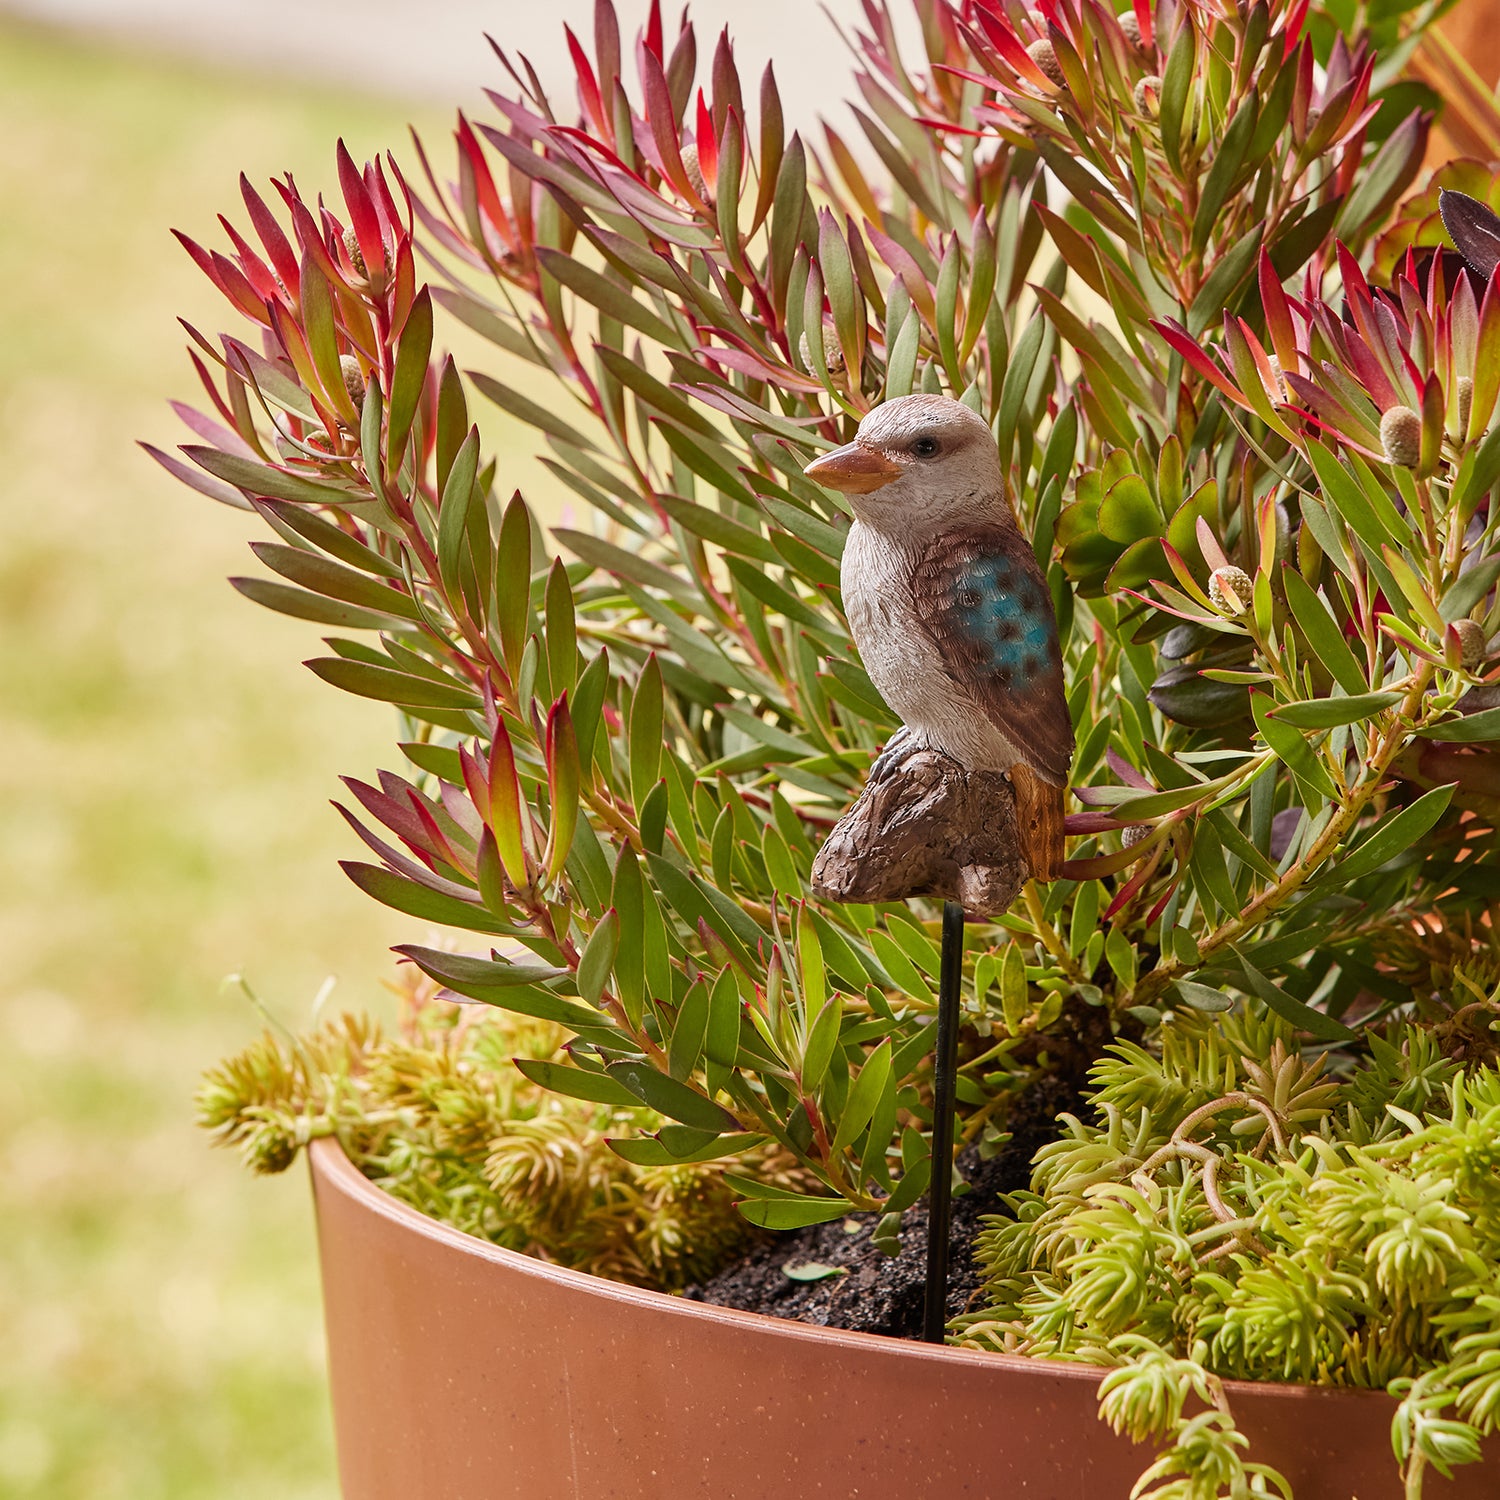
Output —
<point x="1261" y="483"/>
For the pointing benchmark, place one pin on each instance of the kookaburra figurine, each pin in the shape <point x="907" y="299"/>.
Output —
<point x="950" y="611"/>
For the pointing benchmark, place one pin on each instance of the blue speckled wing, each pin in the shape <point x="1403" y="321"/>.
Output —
<point x="985" y="603"/>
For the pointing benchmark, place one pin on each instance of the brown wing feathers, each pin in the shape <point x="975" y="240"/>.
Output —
<point x="982" y="598"/>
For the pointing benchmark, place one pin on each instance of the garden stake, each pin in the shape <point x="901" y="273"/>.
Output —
<point x="944" y="1088"/>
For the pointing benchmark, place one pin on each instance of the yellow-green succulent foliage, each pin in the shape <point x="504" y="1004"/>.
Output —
<point x="1229" y="1211"/>
<point x="441" y="1116"/>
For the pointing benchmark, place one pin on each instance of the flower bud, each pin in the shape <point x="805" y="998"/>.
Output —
<point x="356" y="255"/>
<point x="1280" y="374"/>
<point x="1230" y="590"/>
<point x="1134" y="833"/>
<point x="1148" y="93"/>
<point x="1131" y="28"/>
<point x="354" y="380"/>
<point x="1044" y="55"/>
<point x="1465" y="403"/>
<point x="694" y="171"/>
<point x="1401" y="436"/>
<point x="833" y="351"/>
<point x="1473" y="646"/>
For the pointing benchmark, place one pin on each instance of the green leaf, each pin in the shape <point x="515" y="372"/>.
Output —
<point x="335" y="581"/>
<point x="1348" y="498"/>
<point x="1292" y="750"/>
<point x="864" y="1095"/>
<point x="721" y="1041"/>
<point x="904" y="973"/>
<point x="301" y="605"/>
<point x="1228" y="157"/>
<point x="562" y="631"/>
<point x="500" y="985"/>
<point x="465" y="971"/>
<point x="512" y="584"/>
<point x="630" y="565"/>
<point x="322" y="335"/>
<point x="608" y="295"/>
<point x="1468" y="730"/>
<point x="685" y="1051"/>
<point x="483" y="319"/>
<point x="780" y="865"/>
<point x="714" y="527"/>
<point x="417" y="900"/>
<point x="1018" y="373"/>
<point x="1315" y="1022"/>
<point x="1201" y="997"/>
<point x="258" y="479"/>
<point x="285" y="516"/>
<point x="822" y="1038"/>
<point x="453" y="512"/>
<point x="1327" y="713"/>
<point x="1470" y="589"/>
<point x="1217" y="291"/>
<point x="598" y="957"/>
<point x="649" y="1151"/>
<point x="599" y="1088"/>
<point x="915" y="1177"/>
<point x="1129" y="511"/>
<point x="408" y="378"/>
<point x="657" y="395"/>
<point x="901" y="356"/>
<point x="390" y="686"/>
<point x="811" y="1270"/>
<point x="645" y="731"/>
<point x="564" y="776"/>
<point x="1323" y="634"/>
<point x="1392" y="835"/>
<point x="670" y="1097"/>
<point x="531" y="413"/>
<point x="794" y="1213"/>
<point x="1176" y="80"/>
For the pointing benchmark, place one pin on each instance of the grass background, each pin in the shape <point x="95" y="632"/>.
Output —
<point x="165" y="770"/>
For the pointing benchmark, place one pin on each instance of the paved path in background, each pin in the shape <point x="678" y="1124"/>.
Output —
<point x="437" y="50"/>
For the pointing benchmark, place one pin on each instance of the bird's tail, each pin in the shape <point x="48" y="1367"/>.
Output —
<point x="1039" y="820"/>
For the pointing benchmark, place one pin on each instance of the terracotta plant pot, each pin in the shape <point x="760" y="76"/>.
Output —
<point x="461" y="1371"/>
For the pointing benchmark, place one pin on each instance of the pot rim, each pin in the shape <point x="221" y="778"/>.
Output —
<point x="331" y="1165"/>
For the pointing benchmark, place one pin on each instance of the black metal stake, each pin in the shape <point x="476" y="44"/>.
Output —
<point x="944" y="1085"/>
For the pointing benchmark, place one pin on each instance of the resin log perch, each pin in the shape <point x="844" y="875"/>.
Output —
<point x="927" y="827"/>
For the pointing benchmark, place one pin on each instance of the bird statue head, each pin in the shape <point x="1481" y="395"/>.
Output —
<point x="918" y="461"/>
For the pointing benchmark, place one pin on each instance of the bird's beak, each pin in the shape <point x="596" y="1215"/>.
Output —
<point x="853" y="469"/>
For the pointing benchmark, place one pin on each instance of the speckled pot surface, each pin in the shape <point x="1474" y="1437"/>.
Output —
<point x="461" y="1371"/>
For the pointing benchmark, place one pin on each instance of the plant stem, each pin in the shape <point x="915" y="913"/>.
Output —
<point x="1049" y="936"/>
<point x="1275" y="896"/>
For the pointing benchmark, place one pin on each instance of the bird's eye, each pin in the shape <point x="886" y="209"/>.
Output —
<point x="925" y="447"/>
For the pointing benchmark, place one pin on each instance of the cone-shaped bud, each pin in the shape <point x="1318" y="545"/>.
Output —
<point x="1044" y="55"/>
<point x="694" y="171"/>
<point x="833" y="351"/>
<point x="1472" y="644"/>
<point x="354" y="380"/>
<point x="1131" y="28"/>
<point x="1134" y="833"/>
<point x="1465" y="403"/>
<point x="1281" y="384"/>
<point x="356" y="255"/>
<point x="1148" y="93"/>
<point x="1401" y="436"/>
<point x="1230" y="590"/>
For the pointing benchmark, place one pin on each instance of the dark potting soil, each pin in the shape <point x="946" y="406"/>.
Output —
<point x="879" y="1293"/>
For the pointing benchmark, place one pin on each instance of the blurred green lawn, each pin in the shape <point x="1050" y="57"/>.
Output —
<point x="165" y="770"/>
